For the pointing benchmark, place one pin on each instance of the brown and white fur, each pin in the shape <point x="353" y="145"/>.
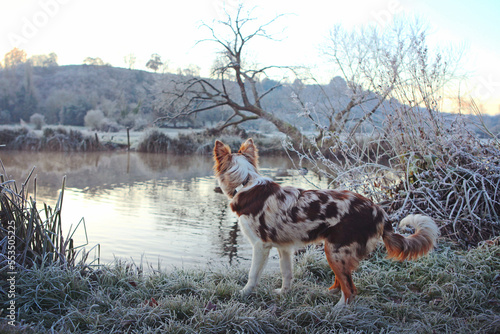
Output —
<point x="348" y="224"/>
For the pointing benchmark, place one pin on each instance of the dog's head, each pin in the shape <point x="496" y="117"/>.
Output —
<point x="235" y="169"/>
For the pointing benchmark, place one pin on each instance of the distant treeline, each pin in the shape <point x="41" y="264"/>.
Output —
<point x="119" y="98"/>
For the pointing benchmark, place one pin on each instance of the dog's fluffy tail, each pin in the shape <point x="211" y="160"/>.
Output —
<point x="402" y="248"/>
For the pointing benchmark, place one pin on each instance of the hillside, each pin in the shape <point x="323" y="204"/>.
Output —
<point x="64" y="94"/>
<point x="133" y="98"/>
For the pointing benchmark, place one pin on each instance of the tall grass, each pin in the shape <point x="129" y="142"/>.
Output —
<point x="450" y="291"/>
<point x="30" y="236"/>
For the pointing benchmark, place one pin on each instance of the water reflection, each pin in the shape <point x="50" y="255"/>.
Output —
<point x="153" y="205"/>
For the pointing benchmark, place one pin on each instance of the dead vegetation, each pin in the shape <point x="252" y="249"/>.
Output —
<point x="52" y="139"/>
<point x="418" y="162"/>
<point x="155" y="141"/>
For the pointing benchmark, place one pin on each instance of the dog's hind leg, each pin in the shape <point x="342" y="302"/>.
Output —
<point x="286" y="267"/>
<point x="336" y="285"/>
<point x="259" y="259"/>
<point x="342" y="263"/>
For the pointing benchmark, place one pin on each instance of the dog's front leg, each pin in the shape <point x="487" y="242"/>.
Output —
<point x="286" y="267"/>
<point x="259" y="259"/>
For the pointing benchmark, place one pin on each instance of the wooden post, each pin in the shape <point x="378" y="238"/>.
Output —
<point x="128" y="138"/>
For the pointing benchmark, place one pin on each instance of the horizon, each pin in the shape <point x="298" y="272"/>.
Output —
<point x="113" y="30"/>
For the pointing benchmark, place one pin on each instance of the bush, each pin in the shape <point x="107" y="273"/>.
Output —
<point x="61" y="139"/>
<point x="37" y="120"/>
<point x="9" y="134"/>
<point x="140" y="123"/>
<point x="420" y="162"/>
<point x="108" y="125"/>
<point x="94" y="118"/>
<point x="154" y="141"/>
<point x="28" y="142"/>
<point x="53" y="139"/>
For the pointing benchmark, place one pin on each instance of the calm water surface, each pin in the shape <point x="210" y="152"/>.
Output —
<point x="145" y="207"/>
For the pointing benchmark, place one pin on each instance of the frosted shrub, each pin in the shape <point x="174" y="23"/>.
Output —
<point x="37" y="120"/>
<point x="107" y="125"/>
<point x="94" y="118"/>
<point x="397" y="147"/>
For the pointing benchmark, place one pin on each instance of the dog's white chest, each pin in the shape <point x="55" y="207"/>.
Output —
<point x="248" y="231"/>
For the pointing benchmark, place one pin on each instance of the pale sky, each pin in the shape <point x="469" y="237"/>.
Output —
<point x="112" y="29"/>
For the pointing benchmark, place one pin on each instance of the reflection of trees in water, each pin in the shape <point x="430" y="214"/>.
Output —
<point x="194" y="206"/>
<point x="228" y="237"/>
<point x="103" y="170"/>
<point x="174" y="193"/>
<point x="178" y="166"/>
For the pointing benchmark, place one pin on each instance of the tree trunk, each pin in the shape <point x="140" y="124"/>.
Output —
<point x="284" y="127"/>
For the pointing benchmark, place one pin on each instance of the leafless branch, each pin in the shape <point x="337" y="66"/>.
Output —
<point x="238" y="84"/>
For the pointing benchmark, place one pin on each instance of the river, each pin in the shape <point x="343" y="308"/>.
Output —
<point x="154" y="209"/>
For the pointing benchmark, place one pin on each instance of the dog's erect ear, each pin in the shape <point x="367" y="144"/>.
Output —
<point x="221" y="150"/>
<point x="249" y="150"/>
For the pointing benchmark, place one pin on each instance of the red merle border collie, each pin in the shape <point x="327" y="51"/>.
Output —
<point x="348" y="224"/>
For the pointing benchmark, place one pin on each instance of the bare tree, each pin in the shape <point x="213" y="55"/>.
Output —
<point x="378" y="70"/>
<point x="236" y="84"/>
<point x="419" y="160"/>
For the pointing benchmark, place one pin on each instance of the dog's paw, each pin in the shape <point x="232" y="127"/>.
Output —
<point x="245" y="292"/>
<point x="340" y="305"/>
<point x="281" y="291"/>
<point x="343" y="302"/>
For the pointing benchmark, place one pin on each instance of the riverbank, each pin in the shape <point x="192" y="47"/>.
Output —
<point x="61" y="139"/>
<point x="153" y="140"/>
<point x="451" y="290"/>
<point x="454" y="289"/>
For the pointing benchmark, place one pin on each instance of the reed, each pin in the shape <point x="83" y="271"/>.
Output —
<point x="30" y="236"/>
<point x="155" y="141"/>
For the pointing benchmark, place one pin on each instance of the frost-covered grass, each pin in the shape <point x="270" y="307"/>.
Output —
<point x="449" y="291"/>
